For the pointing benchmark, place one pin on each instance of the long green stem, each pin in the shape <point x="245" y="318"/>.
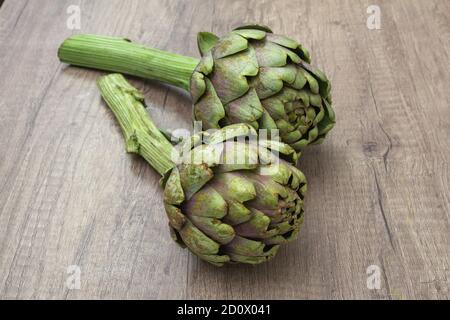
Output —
<point x="140" y="133"/>
<point x="121" y="55"/>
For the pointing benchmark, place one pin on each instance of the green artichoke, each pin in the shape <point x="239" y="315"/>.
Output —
<point x="249" y="76"/>
<point x="228" y="199"/>
<point x="256" y="77"/>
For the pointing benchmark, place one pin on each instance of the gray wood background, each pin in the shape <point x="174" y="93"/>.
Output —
<point x="379" y="187"/>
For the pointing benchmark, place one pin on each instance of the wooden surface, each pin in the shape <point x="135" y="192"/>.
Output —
<point x="379" y="187"/>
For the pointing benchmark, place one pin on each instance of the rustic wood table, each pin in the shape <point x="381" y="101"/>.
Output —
<point x="80" y="218"/>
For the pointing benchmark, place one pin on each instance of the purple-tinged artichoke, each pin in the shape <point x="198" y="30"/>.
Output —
<point x="228" y="199"/>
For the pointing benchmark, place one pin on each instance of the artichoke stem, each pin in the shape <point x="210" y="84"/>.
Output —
<point x="140" y="133"/>
<point x="120" y="55"/>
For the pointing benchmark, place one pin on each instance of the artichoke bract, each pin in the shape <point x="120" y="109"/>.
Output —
<point x="227" y="198"/>
<point x="249" y="76"/>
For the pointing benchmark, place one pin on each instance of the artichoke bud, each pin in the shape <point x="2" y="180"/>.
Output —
<point x="262" y="79"/>
<point x="230" y="195"/>
<point x="239" y="205"/>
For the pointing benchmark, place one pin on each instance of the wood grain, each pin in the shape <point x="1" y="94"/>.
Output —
<point x="379" y="187"/>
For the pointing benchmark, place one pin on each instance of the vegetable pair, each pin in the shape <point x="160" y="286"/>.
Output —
<point x="227" y="198"/>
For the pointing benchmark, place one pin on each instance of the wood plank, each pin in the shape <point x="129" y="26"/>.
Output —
<point x="379" y="187"/>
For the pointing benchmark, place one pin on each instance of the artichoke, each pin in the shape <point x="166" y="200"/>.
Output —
<point x="249" y="76"/>
<point x="256" y="77"/>
<point x="223" y="209"/>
